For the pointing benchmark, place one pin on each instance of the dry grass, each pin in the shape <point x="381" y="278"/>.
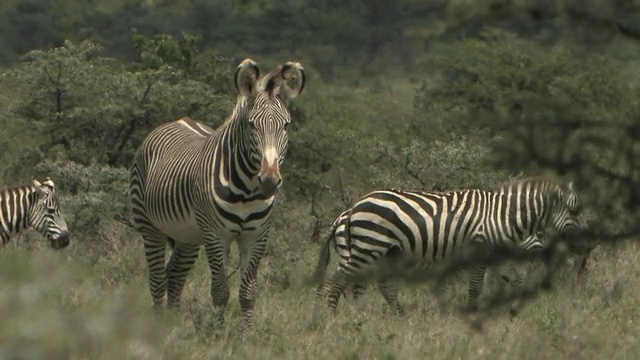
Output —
<point x="69" y="305"/>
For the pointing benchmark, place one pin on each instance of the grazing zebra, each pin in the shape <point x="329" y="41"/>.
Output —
<point x="35" y="205"/>
<point x="192" y="185"/>
<point x="341" y="244"/>
<point x="431" y="226"/>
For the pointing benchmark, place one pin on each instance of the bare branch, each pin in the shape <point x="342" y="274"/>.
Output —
<point x="343" y="196"/>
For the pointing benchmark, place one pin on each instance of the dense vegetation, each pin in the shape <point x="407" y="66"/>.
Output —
<point x="399" y="94"/>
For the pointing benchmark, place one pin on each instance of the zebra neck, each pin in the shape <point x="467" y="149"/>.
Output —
<point x="15" y="204"/>
<point x="520" y="213"/>
<point x="235" y="175"/>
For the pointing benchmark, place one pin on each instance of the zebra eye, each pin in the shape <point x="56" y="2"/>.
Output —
<point x="51" y="210"/>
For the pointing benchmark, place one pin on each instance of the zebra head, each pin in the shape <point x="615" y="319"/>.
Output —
<point x="267" y="117"/>
<point x="44" y="214"/>
<point x="567" y="216"/>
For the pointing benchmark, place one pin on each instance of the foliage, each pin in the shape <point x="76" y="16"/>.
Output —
<point x="560" y="110"/>
<point x="98" y="197"/>
<point x="490" y="106"/>
<point x="76" y="98"/>
<point x="163" y="51"/>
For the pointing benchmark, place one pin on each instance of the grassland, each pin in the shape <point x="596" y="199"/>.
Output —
<point x="78" y="304"/>
<point x="91" y="300"/>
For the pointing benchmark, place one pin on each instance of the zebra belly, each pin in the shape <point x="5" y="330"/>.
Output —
<point x="184" y="231"/>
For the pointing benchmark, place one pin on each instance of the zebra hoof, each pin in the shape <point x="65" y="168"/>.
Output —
<point x="248" y="329"/>
<point x="475" y="322"/>
<point x="217" y="320"/>
<point x="398" y="310"/>
<point x="513" y="312"/>
<point x="471" y="309"/>
<point x="158" y="307"/>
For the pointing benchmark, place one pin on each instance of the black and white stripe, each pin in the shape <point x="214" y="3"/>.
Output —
<point x="431" y="226"/>
<point x="192" y="185"/>
<point x="35" y="205"/>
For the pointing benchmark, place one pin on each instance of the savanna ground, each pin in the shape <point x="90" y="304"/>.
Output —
<point x="404" y="94"/>
<point x="61" y="305"/>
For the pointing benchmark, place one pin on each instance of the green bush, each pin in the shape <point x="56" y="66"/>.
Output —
<point x="543" y="109"/>
<point x="90" y="109"/>
<point x="94" y="199"/>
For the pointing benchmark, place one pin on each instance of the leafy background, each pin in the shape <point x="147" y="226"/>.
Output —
<point x="404" y="94"/>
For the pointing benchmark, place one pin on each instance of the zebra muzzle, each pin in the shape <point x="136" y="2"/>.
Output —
<point x="269" y="178"/>
<point x="61" y="241"/>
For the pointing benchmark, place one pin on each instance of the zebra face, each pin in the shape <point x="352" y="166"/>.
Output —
<point x="45" y="215"/>
<point x="268" y="117"/>
<point x="268" y="138"/>
<point x="568" y="215"/>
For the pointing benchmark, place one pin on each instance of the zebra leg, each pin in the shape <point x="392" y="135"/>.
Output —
<point x="324" y="288"/>
<point x="358" y="288"/>
<point x="515" y="280"/>
<point x="180" y="263"/>
<point x="476" y="282"/>
<point x="389" y="291"/>
<point x="216" y="249"/>
<point x="320" y="290"/>
<point x="250" y="260"/>
<point x="334" y="286"/>
<point x="155" y="244"/>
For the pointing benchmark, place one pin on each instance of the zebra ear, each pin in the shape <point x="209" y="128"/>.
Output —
<point x="246" y="76"/>
<point x="39" y="188"/>
<point x="559" y="194"/>
<point x="49" y="184"/>
<point x="570" y="185"/>
<point x="287" y="80"/>
<point x="293" y="80"/>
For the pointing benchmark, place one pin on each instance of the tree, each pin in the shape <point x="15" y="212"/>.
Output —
<point x="90" y="109"/>
<point x="562" y="110"/>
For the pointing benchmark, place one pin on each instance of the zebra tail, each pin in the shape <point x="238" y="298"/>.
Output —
<point x="325" y="255"/>
<point x="347" y="229"/>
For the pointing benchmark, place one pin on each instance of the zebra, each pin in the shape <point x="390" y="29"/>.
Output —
<point x="34" y="205"/>
<point x="341" y="245"/>
<point x="432" y="226"/>
<point x="192" y="185"/>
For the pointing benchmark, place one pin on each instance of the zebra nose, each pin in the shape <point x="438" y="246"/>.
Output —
<point x="269" y="184"/>
<point x="269" y="177"/>
<point x="61" y="241"/>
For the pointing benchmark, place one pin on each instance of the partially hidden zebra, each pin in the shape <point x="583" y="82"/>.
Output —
<point x="35" y="205"/>
<point x="339" y="240"/>
<point x="432" y="226"/>
<point x="192" y="185"/>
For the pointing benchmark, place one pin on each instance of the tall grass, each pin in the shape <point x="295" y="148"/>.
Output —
<point x="71" y="304"/>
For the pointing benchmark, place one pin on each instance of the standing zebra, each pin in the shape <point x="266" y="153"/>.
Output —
<point x="34" y="205"/>
<point x="341" y="243"/>
<point x="192" y="185"/>
<point x="431" y="226"/>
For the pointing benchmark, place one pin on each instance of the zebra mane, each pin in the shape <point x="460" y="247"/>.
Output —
<point x="239" y="112"/>
<point x="24" y="187"/>
<point x="427" y="192"/>
<point x="555" y="182"/>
